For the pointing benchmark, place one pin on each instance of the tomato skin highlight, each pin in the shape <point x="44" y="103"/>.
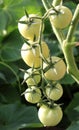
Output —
<point x="63" y="18"/>
<point x="57" y="71"/>
<point x="30" y="30"/>
<point x="32" y="56"/>
<point x="33" y="94"/>
<point x="54" y="93"/>
<point x="50" y="116"/>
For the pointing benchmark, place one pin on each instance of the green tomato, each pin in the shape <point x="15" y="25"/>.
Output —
<point x="30" y="29"/>
<point x="33" y="94"/>
<point x="54" y="92"/>
<point x="32" y="78"/>
<point x="57" y="71"/>
<point x="50" y="116"/>
<point x="61" y="19"/>
<point x="32" y="56"/>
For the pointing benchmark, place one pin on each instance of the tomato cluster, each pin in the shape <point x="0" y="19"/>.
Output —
<point x="44" y="70"/>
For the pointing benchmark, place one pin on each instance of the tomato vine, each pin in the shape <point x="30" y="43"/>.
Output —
<point x="35" y="53"/>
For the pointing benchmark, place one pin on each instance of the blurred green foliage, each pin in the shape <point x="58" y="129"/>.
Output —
<point x="15" y="112"/>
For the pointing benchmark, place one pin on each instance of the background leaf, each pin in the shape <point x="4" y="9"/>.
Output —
<point x="74" y="126"/>
<point x="11" y="46"/>
<point x="72" y="112"/>
<point x="15" y="116"/>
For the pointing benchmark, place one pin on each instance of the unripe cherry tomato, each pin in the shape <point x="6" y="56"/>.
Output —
<point x="61" y="19"/>
<point x="50" y="116"/>
<point x="56" y="71"/>
<point x="33" y="94"/>
<point x="32" y="56"/>
<point x="54" y="92"/>
<point x="31" y="29"/>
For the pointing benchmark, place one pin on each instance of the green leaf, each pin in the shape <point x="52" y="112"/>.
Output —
<point x="11" y="46"/>
<point x="11" y="11"/>
<point x="73" y="109"/>
<point x="2" y="77"/>
<point x="53" y="46"/>
<point x="9" y="72"/>
<point x="3" y="20"/>
<point x="72" y="112"/>
<point x="74" y="126"/>
<point x="16" y="116"/>
<point x="9" y="94"/>
<point x="67" y="79"/>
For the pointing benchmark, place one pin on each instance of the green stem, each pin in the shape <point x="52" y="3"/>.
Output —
<point x="73" y="25"/>
<point x="45" y="4"/>
<point x="68" y="47"/>
<point x="59" y="34"/>
<point x="56" y="2"/>
<point x="72" y="68"/>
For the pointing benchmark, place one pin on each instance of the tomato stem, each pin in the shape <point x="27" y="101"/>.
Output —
<point x="73" y="24"/>
<point x="70" y="60"/>
<point x="68" y="47"/>
<point x="57" y="2"/>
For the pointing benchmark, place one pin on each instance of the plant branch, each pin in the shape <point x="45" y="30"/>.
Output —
<point x="72" y="68"/>
<point x="56" y="2"/>
<point x="73" y="25"/>
<point x="68" y="47"/>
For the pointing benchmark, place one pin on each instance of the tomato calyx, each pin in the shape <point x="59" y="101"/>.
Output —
<point x="30" y="47"/>
<point x="53" y="69"/>
<point x="31" y="76"/>
<point x="29" y="20"/>
<point x="33" y="90"/>
<point x="33" y="94"/>
<point x="50" y="104"/>
<point x="54" y="92"/>
<point x="51" y="85"/>
<point x="50" y="64"/>
<point x="55" y="11"/>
